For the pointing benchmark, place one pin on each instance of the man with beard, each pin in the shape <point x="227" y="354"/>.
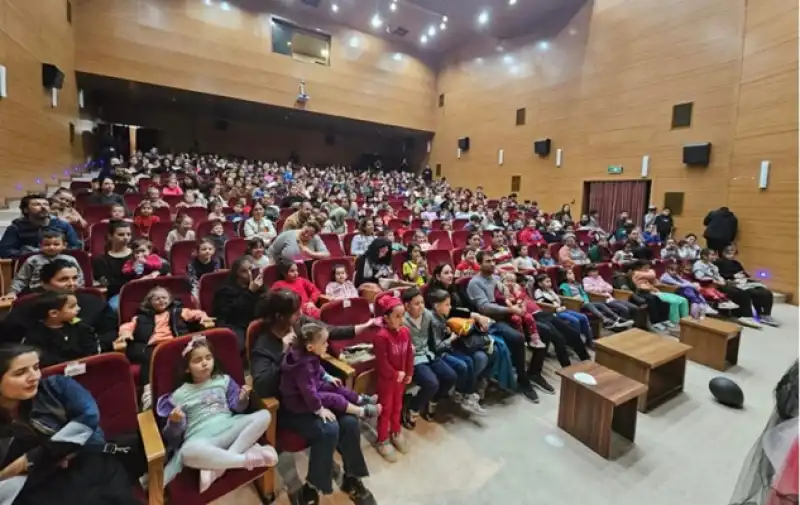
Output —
<point x="25" y="233"/>
<point x="61" y="276"/>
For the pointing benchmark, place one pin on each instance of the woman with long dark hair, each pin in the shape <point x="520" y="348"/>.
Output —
<point x="282" y="317"/>
<point x="51" y="444"/>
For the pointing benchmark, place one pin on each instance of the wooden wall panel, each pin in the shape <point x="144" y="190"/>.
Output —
<point x="188" y="45"/>
<point x="603" y="89"/>
<point x="34" y="137"/>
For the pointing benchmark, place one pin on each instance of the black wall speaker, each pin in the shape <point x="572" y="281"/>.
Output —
<point x="542" y="147"/>
<point x="52" y="77"/>
<point x="697" y="155"/>
<point x="463" y="143"/>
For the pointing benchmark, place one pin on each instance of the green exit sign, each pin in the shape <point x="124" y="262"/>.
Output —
<point x="615" y="169"/>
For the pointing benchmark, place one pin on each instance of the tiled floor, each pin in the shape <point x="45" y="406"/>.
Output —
<point x="687" y="452"/>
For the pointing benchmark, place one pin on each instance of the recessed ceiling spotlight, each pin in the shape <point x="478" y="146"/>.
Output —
<point x="225" y="6"/>
<point x="483" y="17"/>
<point x="543" y="45"/>
<point x="393" y="7"/>
<point x="335" y="7"/>
<point x="423" y="39"/>
<point x="432" y="31"/>
<point x="323" y="52"/>
<point x="354" y="42"/>
<point x="499" y="48"/>
<point x="397" y="57"/>
<point x="376" y="21"/>
<point x="443" y="26"/>
<point x="444" y="18"/>
<point x="508" y="59"/>
<point x="573" y="31"/>
<point x="208" y="2"/>
<point x="512" y="2"/>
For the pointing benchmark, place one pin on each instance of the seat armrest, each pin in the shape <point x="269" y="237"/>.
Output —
<point x="667" y="288"/>
<point x="622" y="294"/>
<point x="572" y="303"/>
<point x="156" y="453"/>
<point x="272" y="405"/>
<point x="596" y="298"/>
<point x="547" y="307"/>
<point x="340" y="369"/>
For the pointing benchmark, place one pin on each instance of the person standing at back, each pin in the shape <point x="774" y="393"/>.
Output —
<point x="721" y="227"/>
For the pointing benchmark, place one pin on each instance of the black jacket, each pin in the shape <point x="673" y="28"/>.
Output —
<point x="721" y="225"/>
<point x="25" y="236"/>
<point x="95" y="312"/>
<point x="70" y="342"/>
<point x="234" y="305"/>
<point x="267" y="354"/>
<point x="664" y="226"/>
<point x="729" y="268"/>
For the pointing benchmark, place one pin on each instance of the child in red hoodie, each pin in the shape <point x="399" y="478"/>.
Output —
<point x="394" y="361"/>
<point x="468" y="266"/>
<point x="305" y="289"/>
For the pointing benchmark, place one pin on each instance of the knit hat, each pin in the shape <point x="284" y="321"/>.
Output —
<point x="386" y="304"/>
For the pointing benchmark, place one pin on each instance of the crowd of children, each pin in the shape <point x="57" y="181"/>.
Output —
<point x="418" y="340"/>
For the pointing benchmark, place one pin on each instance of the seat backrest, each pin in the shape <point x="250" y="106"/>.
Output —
<point x="459" y="224"/>
<point x="347" y="242"/>
<point x="98" y="235"/>
<point x="352" y="225"/>
<point x="461" y="287"/>
<point x="158" y="236"/>
<point x="204" y="228"/>
<point x="251" y="335"/>
<point x="132" y="200"/>
<point x="322" y="270"/>
<point x="398" y="259"/>
<point x="133" y="293"/>
<point x="278" y="225"/>
<point x="554" y="248"/>
<point x="96" y="213"/>
<point x="553" y="272"/>
<point x="346" y="312"/>
<point x="208" y="286"/>
<point x="286" y="212"/>
<point x="333" y="244"/>
<point x="605" y="271"/>
<point x="395" y="224"/>
<point x="85" y="262"/>
<point x="144" y="183"/>
<point x="441" y="238"/>
<point x="416" y="223"/>
<point x="76" y="186"/>
<point x="164" y="214"/>
<point x="408" y="237"/>
<point x="181" y="255"/>
<point x="235" y="248"/>
<point x="437" y="257"/>
<point x="172" y="200"/>
<point x="108" y="378"/>
<point x="458" y="255"/>
<point x="459" y="238"/>
<point x="436" y="224"/>
<point x="167" y="359"/>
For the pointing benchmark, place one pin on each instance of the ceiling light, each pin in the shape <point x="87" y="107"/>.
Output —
<point x="514" y="70"/>
<point x="512" y="2"/>
<point x="353" y="41"/>
<point x="289" y="43"/>
<point x="397" y="57"/>
<point x="444" y="18"/>
<point x="423" y="39"/>
<point x="443" y="26"/>
<point x="543" y="45"/>
<point x="508" y="58"/>
<point x="393" y="7"/>
<point x="225" y="6"/>
<point x="432" y="31"/>
<point x="376" y="21"/>
<point x="334" y="8"/>
<point x="483" y="17"/>
<point x="208" y="2"/>
<point x="324" y="52"/>
<point x="573" y="31"/>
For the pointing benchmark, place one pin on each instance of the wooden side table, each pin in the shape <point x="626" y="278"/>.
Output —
<point x="715" y="343"/>
<point x="659" y="362"/>
<point x="591" y="413"/>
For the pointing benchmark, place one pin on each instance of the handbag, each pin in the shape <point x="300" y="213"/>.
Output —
<point x="472" y="339"/>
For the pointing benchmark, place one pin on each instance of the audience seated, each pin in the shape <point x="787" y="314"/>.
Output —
<point x="24" y="234"/>
<point x="235" y="301"/>
<point x="106" y="195"/>
<point x="302" y="243"/>
<point x="28" y="277"/>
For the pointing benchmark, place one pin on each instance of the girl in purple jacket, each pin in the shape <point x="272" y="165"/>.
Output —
<point x="306" y="387"/>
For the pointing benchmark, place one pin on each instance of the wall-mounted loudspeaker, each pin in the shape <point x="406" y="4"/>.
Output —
<point x="52" y="77"/>
<point x="542" y="147"/>
<point x="697" y="155"/>
<point x="463" y="143"/>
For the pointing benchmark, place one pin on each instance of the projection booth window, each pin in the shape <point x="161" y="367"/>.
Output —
<point x="299" y="43"/>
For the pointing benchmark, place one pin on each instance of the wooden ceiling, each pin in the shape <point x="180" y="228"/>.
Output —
<point x="417" y="17"/>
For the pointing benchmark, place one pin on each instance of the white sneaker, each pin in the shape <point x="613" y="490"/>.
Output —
<point x="710" y="311"/>
<point x="728" y="306"/>
<point x="472" y="406"/>
<point x="620" y="323"/>
<point x="750" y="322"/>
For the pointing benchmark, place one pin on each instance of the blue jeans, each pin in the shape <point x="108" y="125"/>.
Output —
<point x="578" y="321"/>
<point x="472" y="367"/>
<point x="434" y="379"/>
<point x="113" y="302"/>
<point x="515" y="341"/>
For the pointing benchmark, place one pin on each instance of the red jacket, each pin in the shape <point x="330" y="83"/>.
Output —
<point x="393" y="353"/>
<point x="531" y="236"/>
<point x="304" y="288"/>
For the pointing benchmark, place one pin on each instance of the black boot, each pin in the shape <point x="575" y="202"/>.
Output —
<point x="354" y="488"/>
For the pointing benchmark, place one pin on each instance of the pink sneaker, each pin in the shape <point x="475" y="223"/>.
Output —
<point x="536" y="341"/>
<point x="259" y="456"/>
